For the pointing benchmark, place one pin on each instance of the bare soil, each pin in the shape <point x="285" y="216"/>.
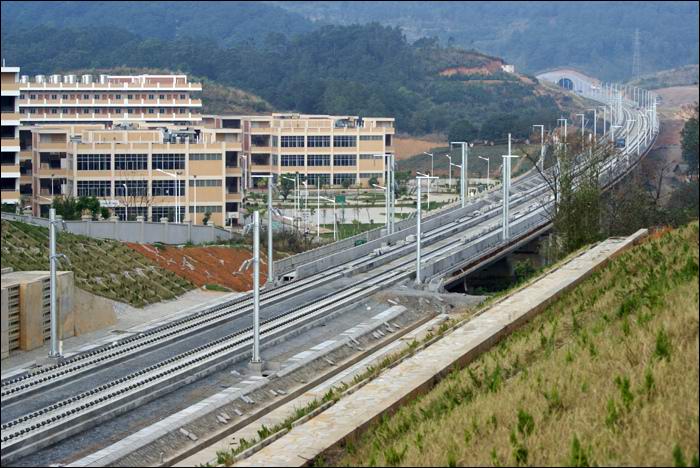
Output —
<point x="206" y="265"/>
<point x="405" y="147"/>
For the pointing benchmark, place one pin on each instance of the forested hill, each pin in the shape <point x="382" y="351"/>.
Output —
<point x="595" y="36"/>
<point x="363" y="70"/>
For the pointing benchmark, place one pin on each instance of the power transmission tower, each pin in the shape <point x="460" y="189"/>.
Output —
<point x="636" y="58"/>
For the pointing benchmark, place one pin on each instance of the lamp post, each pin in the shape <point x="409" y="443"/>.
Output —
<point x="56" y="343"/>
<point x="270" y="259"/>
<point x="306" y="203"/>
<point x="583" y="126"/>
<point x="449" y="172"/>
<point x="429" y="183"/>
<point x="52" y="186"/>
<point x="386" y="200"/>
<point x="126" y="206"/>
<point x="463" y="185"/>
<point x="177" y="192"/>
<point x="318" y="206"/>
<point x="419" y="179"/>
<point x="335" y="235"/>
<point x="432" y="161"/>
<point x="488" y="171"/>
<point x="506" y="191"/>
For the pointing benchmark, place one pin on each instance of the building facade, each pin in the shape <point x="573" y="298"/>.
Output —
<point x="141" y="146"/>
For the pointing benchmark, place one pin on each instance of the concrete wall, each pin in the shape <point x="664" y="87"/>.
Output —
<point x="134" y="231"/>
<point x="92" y="312"/>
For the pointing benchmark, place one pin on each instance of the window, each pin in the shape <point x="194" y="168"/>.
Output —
<point x="339" y="178"/>
<point x="292" y="159"/>
<point x="182" y="111"/>
<point x="94" y="188"/>
<point x="344" y="160"/>
<point x="274" y="140"/>
<point x="319" y="160"/>
<point x="158" y="212"/>
<point x="317" y="141"/>
<point x="205" y="157"/>
<point x="130" y="96"/>
<point x="162" y="96"/>
<point x="206" y="182"/>
<point x="183" y="97"/>
<point x="167" y="188"/>
<point x="86" y="96"/>
<point x="168" y="161"/>
<point x="344" y="141"/>
<point x="371" y="156"/>
<point x="86" y="111"/>
<point x="94" y="162"/>
<point x="117" y="96"/>
<point x="54" y="96"/>
<point x="151" y="96"/>
<point x="32" y="96"/>
<point x="65" y="96"/>
<point x="292" y="142"/>
<point x="135" y="188"/>
<point x="54" y="110"/>
<point x="325" y="179"/>
<point x="130" y="162"/>
<point x="369" y="175"/>
<point x="371" y="137"/>
<point x="162" y="111"/>
<point x="204" y="209"/>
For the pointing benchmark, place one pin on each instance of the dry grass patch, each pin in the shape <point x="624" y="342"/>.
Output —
<point x="607" y="375"/>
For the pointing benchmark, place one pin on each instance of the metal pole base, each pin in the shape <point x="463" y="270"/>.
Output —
<point x="256" y="367"/>
<point x="50" y="360"/>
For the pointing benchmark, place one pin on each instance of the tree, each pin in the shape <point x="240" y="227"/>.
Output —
<point x="689" y="143"/>
<point x="346" y="183"/>
<point x="285" y="185"/>
<point x="463" y="130"/>
<point x="207" y="216"/>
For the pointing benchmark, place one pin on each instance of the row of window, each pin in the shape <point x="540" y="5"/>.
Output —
<point x="105" y="110"/>
<point x="99" y="96"/>
<point x="139" y="188"/>
<point x="318" y="141"/>
<point x="317" y="160"/>
<point x="139" y="162"/>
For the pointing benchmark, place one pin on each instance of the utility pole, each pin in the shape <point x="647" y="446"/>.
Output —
<point x="595" y="124"/>
<point x="56" y="343"/>
<point x="506" y="191"/>
<point x="419" y="180"/>
<point x="463" y="171"/>
<point x="270" y="260"/>
<point x="541" y="146"/>
<point x="255" y="361"/>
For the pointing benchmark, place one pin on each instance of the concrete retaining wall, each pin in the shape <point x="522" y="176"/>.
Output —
<point x="134" y="231"/>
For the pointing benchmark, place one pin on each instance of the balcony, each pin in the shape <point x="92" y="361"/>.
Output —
<point x="9" y="196"/>
<point x="167" y="117"/>
<point x="34" y="86"/>
<point x="110" y="102"/>
<point x="8" y="116"/>
<point x="9" y="144"/>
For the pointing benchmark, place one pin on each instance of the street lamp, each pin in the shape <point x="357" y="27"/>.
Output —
<point x="488" y="171"/>
<point x="429" y="184"/>
<point x="126" y="207"/>
<point x="432" y="161"/>
<point x="449" y="172"/>
<point x="386" y="201"/>
<point x="419" y="179"/>
<point x="194" y="203"/>
<point x="177" y="192"/>
<point x="269" y="225"/>
<point x="583" y="125"/>
<point x="335" y="235"/>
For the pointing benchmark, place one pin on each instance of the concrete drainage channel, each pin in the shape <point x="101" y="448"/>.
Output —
<point x="200" y="425"/>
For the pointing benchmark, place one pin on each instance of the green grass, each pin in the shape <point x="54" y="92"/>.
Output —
<point x="103" y="267"/>
<point x="216" y="287"/>
<point x="348" y="230"/>
<point x="606" y="375"/>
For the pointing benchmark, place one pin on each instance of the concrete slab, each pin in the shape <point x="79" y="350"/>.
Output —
<point x="418" y="373"/>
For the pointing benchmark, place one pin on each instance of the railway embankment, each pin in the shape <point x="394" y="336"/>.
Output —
<point x="593" y="362"/>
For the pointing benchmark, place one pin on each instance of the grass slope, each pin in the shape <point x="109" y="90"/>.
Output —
<point x="607" y="375"/>
<point x="102" y="267"/>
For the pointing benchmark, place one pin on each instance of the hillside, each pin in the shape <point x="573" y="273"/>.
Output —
<point x="537" y="35"/>
<point x="682" y="76"/>
<point x="366" y="70"/>
<point x="606" y="375"/>
<point x="216" y="98"/>
<point x="103" y="267"/>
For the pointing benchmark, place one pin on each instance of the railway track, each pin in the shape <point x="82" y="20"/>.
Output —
<point x="64" y="418"/>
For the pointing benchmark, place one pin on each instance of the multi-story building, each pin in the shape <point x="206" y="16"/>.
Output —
<point x="109" y="98"/>
<point x="117" y="137"/>
<point x="9" y="164"/>
<point x="170" y="171"/>
<point x="327" y="150"/>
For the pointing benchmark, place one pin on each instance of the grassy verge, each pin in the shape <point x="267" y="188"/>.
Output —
<point x="103" y="267"/>
<point x="216" y="287"/>
<point x="607" y="375"/>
